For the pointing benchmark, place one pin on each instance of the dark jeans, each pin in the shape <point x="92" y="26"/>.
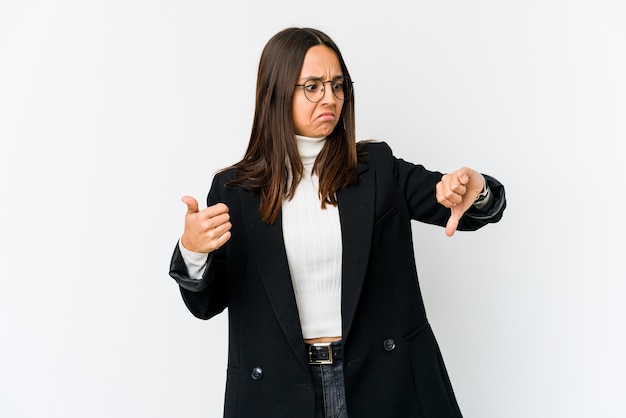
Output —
<point x="330" y="394"/>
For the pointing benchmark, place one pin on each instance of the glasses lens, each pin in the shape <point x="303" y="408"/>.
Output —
<point x="342" y="88"/>
<point x="314" y="90"/>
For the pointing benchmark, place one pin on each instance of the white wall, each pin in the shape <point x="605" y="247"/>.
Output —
<point x="111" y="111"/>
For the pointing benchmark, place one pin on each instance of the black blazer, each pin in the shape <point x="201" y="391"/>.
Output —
<point x="393" y="366"/>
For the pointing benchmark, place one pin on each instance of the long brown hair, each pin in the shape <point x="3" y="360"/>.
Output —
<point x="264" y="168"/>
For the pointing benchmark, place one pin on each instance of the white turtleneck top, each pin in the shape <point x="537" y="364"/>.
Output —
<point x="312" y="237"/>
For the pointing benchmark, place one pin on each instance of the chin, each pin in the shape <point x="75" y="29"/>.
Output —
<point x="326" y="132"/>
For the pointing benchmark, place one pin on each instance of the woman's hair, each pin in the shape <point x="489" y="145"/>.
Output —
<point x="271" y="165"/>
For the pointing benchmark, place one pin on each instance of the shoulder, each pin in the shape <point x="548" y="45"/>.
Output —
<point x="221" y="189"/>
<point x="226" y="174"/>
<point x="223" y="177"/>
<point x="373" y="152"/>
<point x="374" y="146"/>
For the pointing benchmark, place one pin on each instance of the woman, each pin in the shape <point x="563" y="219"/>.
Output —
<point x="307" y="241"/>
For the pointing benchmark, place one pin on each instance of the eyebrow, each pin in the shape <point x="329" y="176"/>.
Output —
<point x="311" y="77"/>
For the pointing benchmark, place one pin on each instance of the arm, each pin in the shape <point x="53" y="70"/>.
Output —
<point x="446" y="199"/>
<point x="206" y="231"/>
<point x="204" y="297"/>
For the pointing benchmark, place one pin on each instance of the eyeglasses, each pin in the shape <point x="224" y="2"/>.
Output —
<point x="314" y="89"/>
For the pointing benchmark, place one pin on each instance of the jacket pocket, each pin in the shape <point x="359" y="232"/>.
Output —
<point x="413" y="334"/>
<point x="434" y="389"/>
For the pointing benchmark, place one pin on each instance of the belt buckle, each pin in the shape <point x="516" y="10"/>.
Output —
<point x="328" y="347"/>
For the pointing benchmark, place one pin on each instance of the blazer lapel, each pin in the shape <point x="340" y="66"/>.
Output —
<point x="356" y="210"/>
<point x="271" y="261"/>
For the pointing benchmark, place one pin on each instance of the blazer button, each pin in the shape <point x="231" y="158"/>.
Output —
<point x="257" y="373"/>
<point x="389" y="345"/>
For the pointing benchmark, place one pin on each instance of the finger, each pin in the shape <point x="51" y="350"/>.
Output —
<point x="441" y="194"/>
<point x="463" y="176"/>
<point x="449" y="198"/>
<point x="453" y="223"/>
<point x="216" y="210"/>
<point x="217" y="238"/>
<point x="206" y="239"/>
<point x="454" y="198"/>
<point x="223" y="240"/>
<point x="217" y="224"/>
<point x="460" y="189"/>
<point x="450" y="190"/>
<point x="192" y="204"/>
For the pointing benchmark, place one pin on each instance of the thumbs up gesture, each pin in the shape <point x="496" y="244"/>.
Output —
<point x="206" y="230"/>
<point x="458" y="191"/>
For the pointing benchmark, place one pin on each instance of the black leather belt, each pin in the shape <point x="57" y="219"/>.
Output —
<point x="324" y="353"/>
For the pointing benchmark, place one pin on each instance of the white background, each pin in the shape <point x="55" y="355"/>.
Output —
<point x="110" y="111"/>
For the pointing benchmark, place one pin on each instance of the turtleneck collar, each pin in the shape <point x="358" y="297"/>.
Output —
<point x="309" y="148"/>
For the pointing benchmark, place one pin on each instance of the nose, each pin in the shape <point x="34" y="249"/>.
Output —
<point x="330" y="94"/>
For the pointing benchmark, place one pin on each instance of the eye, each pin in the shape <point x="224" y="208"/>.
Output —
<point x="338" y="84"/>
<point x="313" y="85"/>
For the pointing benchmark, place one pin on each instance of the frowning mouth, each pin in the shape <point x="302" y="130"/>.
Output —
<point x="326" y="116"/>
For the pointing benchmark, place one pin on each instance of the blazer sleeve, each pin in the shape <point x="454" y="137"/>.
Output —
<point x="494" y="210"/>
<point x="207" y="297"/>
<point x="418" y="186"/>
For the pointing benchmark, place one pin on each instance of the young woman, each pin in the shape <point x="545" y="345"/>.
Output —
<point x="307" y="241"/>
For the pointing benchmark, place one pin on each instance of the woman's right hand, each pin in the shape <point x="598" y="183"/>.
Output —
<point x="206" y="230"/>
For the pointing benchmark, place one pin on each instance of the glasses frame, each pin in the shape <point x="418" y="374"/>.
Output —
<point x="346" y="81"/>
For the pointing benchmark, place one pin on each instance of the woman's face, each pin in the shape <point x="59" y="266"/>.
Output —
<point x="317" y="119"/>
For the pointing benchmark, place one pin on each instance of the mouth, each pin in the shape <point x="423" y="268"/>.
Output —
<point x="326" y="116"/>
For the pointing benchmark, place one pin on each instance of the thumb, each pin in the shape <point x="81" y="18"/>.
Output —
<point x="192" y="204"/>
<point x="453" y="221"/>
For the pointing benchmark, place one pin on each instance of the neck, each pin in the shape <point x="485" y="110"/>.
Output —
<point x="309" y="148"/>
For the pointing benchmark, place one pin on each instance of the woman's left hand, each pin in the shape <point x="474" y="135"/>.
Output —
<point x="458" y="191"/>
